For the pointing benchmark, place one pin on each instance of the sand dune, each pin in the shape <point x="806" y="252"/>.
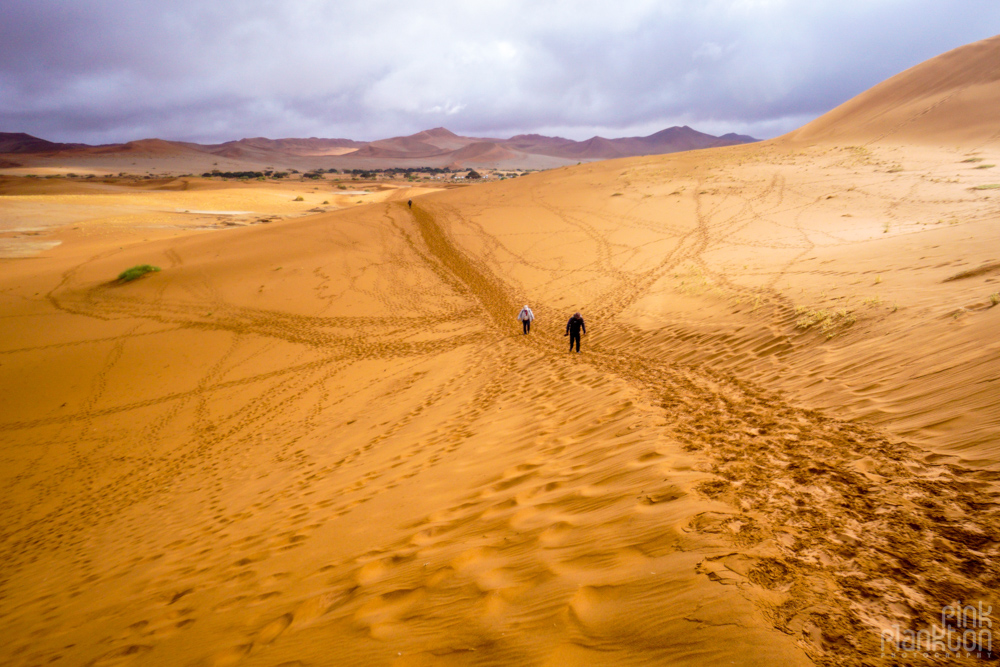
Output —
<point x="19" y="142"/>
<point x="324" y="440"/>
<point x="945" y="101"/>
<point x="147" y="147"/>
<point x="670" y="140"/>
<point x="36" y="214"/>
<point x="485" y="151"/>
<point x="264" y="148"/>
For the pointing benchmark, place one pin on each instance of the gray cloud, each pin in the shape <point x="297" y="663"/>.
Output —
<point x="114" y="70"/>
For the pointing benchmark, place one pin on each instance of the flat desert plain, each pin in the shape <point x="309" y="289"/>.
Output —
<point x="324" y="440"/>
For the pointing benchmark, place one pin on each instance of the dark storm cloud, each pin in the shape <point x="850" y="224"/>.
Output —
<point x="102" y="71"/>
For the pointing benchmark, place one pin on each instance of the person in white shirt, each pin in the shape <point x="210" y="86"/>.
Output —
<point x="526" y="316"/>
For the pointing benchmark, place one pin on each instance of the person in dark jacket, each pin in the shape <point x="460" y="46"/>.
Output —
<point x="574" y="328"/>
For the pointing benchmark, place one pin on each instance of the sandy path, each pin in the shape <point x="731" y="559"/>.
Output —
<point x="854" y="528"/>
<point x="828" y="273"/>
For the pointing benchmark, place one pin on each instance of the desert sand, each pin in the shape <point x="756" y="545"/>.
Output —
<point x="324" y="440"/>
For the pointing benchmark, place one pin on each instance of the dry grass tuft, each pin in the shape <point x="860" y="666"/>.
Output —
<point x="829" y="322"/>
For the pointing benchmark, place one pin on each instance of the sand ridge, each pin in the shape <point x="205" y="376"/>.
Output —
<point x="35" y="209"/>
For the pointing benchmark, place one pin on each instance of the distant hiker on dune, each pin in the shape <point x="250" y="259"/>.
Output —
<point x="526" y="316"/>
<point x="574" y="328"/>
<point x="409" y="203"/>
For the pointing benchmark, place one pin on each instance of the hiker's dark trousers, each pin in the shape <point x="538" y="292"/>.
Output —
<point x="527" y="325"/>
<point x="574" y="337"/>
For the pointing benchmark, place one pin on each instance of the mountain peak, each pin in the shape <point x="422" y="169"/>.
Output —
<point x="439" y="132"/>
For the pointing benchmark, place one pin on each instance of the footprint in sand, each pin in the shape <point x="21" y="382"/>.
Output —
<point x="273" y="630"/>
<point x="382" y="568"/>
<point x="229" y="656"/>
<point x="120" y="655"/>
<point x="317" y="606"/>
<point x="389" y="608"/>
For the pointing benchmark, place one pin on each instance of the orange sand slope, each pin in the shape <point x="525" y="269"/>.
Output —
<point x="324" y="440"/>
<point x="37" y="214"/>
<point x="948" y="100"/>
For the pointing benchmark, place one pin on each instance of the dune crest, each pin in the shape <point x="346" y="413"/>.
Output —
<point x="948" y="100"/>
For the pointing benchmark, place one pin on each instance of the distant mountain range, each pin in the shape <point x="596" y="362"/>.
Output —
<point x="431" y="148"/>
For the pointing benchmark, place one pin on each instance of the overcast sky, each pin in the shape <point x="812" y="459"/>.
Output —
<point x="102" y="71"/>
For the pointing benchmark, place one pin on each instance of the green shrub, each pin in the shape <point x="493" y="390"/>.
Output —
<point x="137" y="271"/>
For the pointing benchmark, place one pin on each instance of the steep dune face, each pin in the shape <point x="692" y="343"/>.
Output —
<point x="329" y="437"/>
<point x="948" y="100"/>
